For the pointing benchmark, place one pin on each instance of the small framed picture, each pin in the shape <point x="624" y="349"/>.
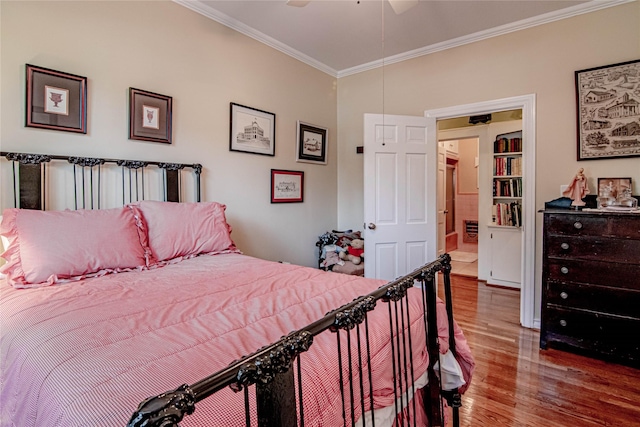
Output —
<point x="56" y="100"/>
<point x="252" y="130"/>
<point x="311" y="144"/>
<point x="287" y="186"/>
<point x="614" y="188"/>
<point x="149" y="116"/>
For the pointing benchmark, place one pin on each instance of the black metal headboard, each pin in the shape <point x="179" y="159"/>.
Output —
<point x="30" y="179"/>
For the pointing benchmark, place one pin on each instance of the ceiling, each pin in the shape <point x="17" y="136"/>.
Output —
<point x="343" y="37"/>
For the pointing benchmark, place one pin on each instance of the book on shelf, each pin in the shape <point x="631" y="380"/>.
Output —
<point x="509" y="214"/>
<point x="507" y="145"/>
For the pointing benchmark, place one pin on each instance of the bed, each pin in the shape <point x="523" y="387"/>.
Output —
<point x="147" y="314"/>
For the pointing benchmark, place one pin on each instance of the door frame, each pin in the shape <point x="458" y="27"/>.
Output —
<point x="526" y="103"/>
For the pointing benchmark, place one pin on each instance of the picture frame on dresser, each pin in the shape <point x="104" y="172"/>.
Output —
<point x="311" y="144"/>
<point x="55" y="100"/>
<point x="607" y="111"/>
<point x="150" y="116"/>
<point x="252" y="130"/>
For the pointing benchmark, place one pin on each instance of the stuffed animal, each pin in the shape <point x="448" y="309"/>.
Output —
<point x="354" y="252"/>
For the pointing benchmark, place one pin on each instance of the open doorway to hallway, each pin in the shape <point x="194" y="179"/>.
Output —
<point x="467" y="151"/>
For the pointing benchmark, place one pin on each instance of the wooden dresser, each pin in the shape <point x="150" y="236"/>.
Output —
<point x="591" y="284"/>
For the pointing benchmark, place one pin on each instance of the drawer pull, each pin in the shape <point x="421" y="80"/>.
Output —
<point x="563" y="322"/>
<point x="564" y="270"/>
<point x="564" y="295"/>
<point x="564" y="245"/>
<point x="577" y="225"/>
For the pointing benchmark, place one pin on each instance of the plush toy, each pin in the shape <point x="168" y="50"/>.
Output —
<point x="354" y="252"/>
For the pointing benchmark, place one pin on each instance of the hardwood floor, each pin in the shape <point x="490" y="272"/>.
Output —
<point x="517" y="384"/>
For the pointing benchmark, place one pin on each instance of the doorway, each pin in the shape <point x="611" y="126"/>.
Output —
<point x="527" y="104"/>
<point x="460" y="187"/>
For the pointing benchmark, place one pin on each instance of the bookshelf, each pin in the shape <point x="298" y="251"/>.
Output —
<point x="506" y="208"/>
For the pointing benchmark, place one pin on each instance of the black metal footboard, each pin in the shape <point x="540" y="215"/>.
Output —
<point x="274" y="372"/>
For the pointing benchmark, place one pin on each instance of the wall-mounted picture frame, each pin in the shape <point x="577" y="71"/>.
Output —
<point x="311" y="143"/>
<point x="608" y="111"/>
<point x="287" y="186"/>
<point x="56" y="100"/>
<point x="252" y="130"/>
<point x="150" y="116"/>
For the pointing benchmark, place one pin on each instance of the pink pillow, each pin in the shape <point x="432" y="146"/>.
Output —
<point x="186" y="229"/>
<point x="46" y="247"/>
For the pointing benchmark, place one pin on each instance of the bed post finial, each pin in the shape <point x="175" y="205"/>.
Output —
<point x="164" y="410"/>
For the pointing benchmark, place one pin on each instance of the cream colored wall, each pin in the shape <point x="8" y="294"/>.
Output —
<point x="165" y="48"/>
<point x="540" y="60"/>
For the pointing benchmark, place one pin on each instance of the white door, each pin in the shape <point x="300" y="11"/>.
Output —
<point x="442" y="184"/>
<point x="400" y="232"/>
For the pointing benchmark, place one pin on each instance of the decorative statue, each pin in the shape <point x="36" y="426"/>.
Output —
<point x="577" y="189"/>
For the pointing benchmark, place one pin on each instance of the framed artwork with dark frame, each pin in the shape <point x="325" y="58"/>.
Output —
<point x="608" y="103"/>
<point x="149" y="116"/>
<point x="287" y="186"/>
<point x="252" y="130"/>
<point x="56" y="100"/>
<point x="311" y="144"/>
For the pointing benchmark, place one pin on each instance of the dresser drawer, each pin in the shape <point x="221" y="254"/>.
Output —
<point x="594" y="248"/>
<point x="617" y="338"/>
<point x="622" y="302"/>
<point x="576" y="225"/>
<point x="609" y="274"/>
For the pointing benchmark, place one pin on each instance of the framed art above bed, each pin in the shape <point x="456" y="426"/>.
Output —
<point x="56" y="100"/>
<point x="149" y="116"/>
<point x="252" y="130"/>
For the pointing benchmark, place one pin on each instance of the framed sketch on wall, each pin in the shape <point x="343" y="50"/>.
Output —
<point x="56" y="100"/>
<point x="252" y="130"/>
<point x="311" y="144"/>
<point x="608" y="102"/>
<point x="149" y="116"/>
<point x="287" y="186"/>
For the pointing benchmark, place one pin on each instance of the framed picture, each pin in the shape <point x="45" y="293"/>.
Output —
<point x="614" y="188"/>
<point x="252" y="131"/>
<point x="149" y="116"/>
<point x="608" y="101"/>
<point x="311" y="144"/>
<point x="56" y="100"/>
<point x="287" y="186"/>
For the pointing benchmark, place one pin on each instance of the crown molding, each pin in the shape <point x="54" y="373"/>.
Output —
<point x="546" y="18"/>
<point x="234" y="24"/>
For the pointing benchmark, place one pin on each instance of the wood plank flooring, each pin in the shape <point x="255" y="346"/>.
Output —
<point x="517" y="384"/>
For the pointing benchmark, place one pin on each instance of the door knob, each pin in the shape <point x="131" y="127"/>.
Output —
<point x="371" y="226"/>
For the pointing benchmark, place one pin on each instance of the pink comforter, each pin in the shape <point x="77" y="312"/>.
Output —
<point x="86" y="353"/>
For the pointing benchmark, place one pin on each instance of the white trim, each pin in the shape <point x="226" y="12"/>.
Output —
<point x="234" y="24"/>
<point x="545" y="18"/>
<point x="527" y="103"/>
<point x="569" y="12"/>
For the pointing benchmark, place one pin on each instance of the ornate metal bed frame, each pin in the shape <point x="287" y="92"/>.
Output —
<point x="275" y="370"/>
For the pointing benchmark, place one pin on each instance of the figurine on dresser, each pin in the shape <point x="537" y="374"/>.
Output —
<point x="577" y="189"/>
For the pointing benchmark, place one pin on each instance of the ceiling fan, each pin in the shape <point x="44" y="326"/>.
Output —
<point x="398" y="6"/>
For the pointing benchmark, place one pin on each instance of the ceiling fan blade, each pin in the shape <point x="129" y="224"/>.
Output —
<point x="401" y="6"/>
<point x="298" y="3"/>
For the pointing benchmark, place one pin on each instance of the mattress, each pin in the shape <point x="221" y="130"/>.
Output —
<point x="86" y="353"/>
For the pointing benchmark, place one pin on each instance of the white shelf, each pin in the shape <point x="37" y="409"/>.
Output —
<point x="513" y="153"/>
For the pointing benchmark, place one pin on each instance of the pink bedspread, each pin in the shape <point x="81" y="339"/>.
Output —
<point x="86" y="353"/>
